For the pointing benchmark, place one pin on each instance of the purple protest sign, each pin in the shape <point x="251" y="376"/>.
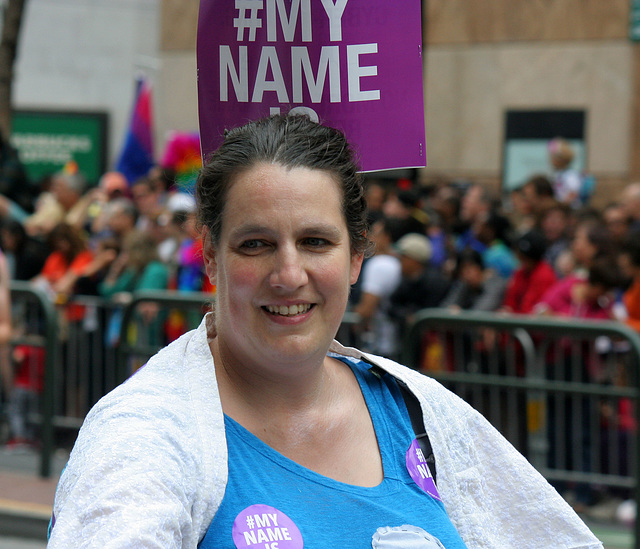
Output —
<point x="355" y="65"/>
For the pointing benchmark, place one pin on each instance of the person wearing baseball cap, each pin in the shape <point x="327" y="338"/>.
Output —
<point x="422" y="285"/>
<point x="415" y="247"/>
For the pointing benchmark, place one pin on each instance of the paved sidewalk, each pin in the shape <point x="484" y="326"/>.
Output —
<point x="26" y="499"/>
<point x="612" y="535"/>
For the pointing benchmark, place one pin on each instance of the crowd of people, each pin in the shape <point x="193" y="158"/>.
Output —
<point x="464" y="246"/>
<point x="258" y="429"/>
<point x="99" y="240"/>
<point x="540" y="250"/>
<point x="106" y="240"/>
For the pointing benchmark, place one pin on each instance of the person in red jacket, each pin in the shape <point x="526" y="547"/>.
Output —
<point x="532" y="279"/>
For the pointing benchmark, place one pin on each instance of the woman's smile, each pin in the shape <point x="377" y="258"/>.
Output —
<point x="290" y="310"/>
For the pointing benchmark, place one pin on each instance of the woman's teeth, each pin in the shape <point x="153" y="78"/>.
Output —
<point x="292" y="310"/>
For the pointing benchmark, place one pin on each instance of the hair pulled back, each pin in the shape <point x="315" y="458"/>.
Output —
<point x="292" y="142"/>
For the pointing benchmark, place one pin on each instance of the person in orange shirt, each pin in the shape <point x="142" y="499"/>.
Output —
<point x="65" y="264"/>
<point x="629" y="260"/>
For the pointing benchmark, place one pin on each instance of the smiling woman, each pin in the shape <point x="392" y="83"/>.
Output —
<point x="258" y="429"/>
<point x="285" y="250"/>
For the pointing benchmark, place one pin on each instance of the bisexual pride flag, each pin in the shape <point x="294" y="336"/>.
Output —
<point x="136" y="158"/>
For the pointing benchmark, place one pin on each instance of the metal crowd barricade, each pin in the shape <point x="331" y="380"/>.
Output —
<point x="34" y="322"/>
<point x="78" y="360"/>
<point x="90" y="345"/>
<point x="519" y="371"/>
<point x="564" y="391"/>
<point x="141" y="339"/>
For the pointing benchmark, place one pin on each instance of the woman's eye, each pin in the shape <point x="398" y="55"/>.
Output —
<point x="315" y="242"/>
<point x="252" y="245"/>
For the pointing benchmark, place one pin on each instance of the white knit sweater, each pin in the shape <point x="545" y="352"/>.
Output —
<point x="149" y="468"/>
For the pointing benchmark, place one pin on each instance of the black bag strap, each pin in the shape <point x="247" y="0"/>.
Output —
<point x="415" y="415"/>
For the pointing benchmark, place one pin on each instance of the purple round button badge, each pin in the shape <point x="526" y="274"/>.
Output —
<point x="264" y="527"/>
<point x="419" y="470"/>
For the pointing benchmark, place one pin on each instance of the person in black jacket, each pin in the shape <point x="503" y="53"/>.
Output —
<point x="474" y="287"/>
<point x="25" y="254"/>
<point x="422" y="285"/>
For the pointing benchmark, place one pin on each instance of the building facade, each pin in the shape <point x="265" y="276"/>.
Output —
<point x="77" y="63"/>
<point x="486" y="60"/>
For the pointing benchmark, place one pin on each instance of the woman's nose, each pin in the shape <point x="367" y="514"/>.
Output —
<point x="289" y="272"/>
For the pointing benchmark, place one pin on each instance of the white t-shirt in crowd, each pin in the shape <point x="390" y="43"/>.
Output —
<point x="380" y="277"/>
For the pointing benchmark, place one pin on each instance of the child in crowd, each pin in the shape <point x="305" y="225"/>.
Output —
<point x="24" y="397"/>
<point x="567" y="182"/>
<point x="584" y="297"/>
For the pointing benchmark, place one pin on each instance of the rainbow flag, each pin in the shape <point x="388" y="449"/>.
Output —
<point x="136" y="158"/>
<point x="182" y="155"/>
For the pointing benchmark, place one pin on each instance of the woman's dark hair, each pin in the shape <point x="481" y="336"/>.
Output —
<point x="532" y="245"/>
<point x="17" y="231"/>
<point x="292" y="142"/>
<point x="604" y="272"/>
<point x="63" y="231"/>
<point x="631" y="247"/>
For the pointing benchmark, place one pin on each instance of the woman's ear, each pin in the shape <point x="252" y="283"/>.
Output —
<point x="356" y="266"/>
<point x="209" y="255"/>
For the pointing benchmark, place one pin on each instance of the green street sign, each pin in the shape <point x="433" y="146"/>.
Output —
<point x="47" y="140"/>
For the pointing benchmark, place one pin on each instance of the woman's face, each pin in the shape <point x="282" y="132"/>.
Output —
<point x="283" y="266"/>
<point x="582" y="248"/>
<point x="472" y="274"/>
<point x="62" y="244"/>
<point x="554" y="225"/>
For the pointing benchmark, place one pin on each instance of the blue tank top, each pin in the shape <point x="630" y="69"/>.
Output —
<point x="272" y="502"/>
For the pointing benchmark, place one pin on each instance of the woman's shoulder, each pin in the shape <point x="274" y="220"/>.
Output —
<point x="172" y="370"/>
<point x="156" y="394"/>
<point x="157" y="436"/>
<point x="422" y="385"/>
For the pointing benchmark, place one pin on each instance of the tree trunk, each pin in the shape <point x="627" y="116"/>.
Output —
<point x="13" y="11"/>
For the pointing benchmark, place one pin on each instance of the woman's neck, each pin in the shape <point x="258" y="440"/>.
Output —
<point x="248" y="388"/>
